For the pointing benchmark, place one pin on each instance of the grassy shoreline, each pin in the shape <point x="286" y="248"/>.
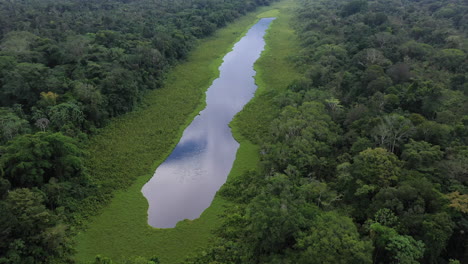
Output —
<point x="151" y="133"/>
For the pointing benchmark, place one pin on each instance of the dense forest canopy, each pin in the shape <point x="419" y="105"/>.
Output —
<point x="66" y="68"/>
<point x="96" y="57"/>
<point x="366" y="162"/>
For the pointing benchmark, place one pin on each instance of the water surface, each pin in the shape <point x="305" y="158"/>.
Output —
<point x="184" y="185"/>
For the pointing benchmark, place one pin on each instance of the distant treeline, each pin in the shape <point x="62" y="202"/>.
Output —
<point x="367" y="161"/>
<point x="66" y="68"/>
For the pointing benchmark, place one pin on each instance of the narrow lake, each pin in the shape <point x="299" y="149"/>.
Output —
<point x="184" y="185"/>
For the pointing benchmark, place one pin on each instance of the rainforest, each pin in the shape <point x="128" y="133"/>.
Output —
<point x="338" y="133"/>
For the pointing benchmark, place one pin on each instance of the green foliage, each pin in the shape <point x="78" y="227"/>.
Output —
<point x="136" y="260"/>
<point x="121" y="90"/>
<point x="393" y="130"/>
<point x="374" y="128"/>
<point x="281" y="225"/>
<point x="116" y="160"/>
<point x="275" y="72"/>
<point x="436" y="230"/>
<point x="458" y="202"/>
<point x="99" y="45"/>
<point x="11" y="125"/>
<point x="274" y="218"/>
<point x="72" y="77"/>
<point x="421" y="155"/>
<point x="30" y="232"/>
<point x="23" y="84"/>
<point x="399" y="248"/>
<point x="353" y="7"/>
<point x="416" y="50"/>
<point x="280" y="208"/>
<point x="64" y="114"/>
<point x="300" y="145"/>
<point x="400" y="88"/>
<point x="386" y="217"/>
<point x="33" y="160"/>
<point x="451" y="58"/>
<point x="333" y="238"/>
<point x="370" y="171"/>
<point x="375" y="70"/>
<point x="247" y="182"/>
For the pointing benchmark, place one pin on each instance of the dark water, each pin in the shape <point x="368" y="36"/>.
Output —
<point x="185" y="184"/>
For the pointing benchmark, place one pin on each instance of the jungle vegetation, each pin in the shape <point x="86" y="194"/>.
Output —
<point x="66" y="69"/>
<point x="363" y="158"/>
<point x="365" y="161"/>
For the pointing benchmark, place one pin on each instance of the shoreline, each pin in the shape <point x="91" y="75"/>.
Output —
<point x="129" y="234"/>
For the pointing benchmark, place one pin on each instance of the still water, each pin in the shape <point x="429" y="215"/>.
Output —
<point x="184" y="185"/>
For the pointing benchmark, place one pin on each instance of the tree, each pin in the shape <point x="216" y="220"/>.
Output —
<point x="92" y="100"/>
<point x="379" y="85"/>
<point x="75" y="47"/>
<point x="416" y="50"/>
<point x="384" y="39"/>
<point x="66" y="113"/>
<point x="410" y="200"/>
<point x="35" y="234"/>
<point x="121" y="90"/>
<point x="399" y="73"/>
<point x="334" y="107"/>
<point x="303" y="137"/>
<point x="375" y="80"/>
<point x="328" y="52"/>
<point x="11" y="125"/>
<point x="456" y="165"/>
<point x="333" y="238"/>
<point x="421" y="155"/>
<point x="376" y="167"/>
<point x="318" y="193"/>
<point x="24" y="84"/>
<point x="7" y="63"/>
<point x="48" y="99"/>
<point x="353" y="7"/>
<point x="373" y="72"/>
<point x="434" y="133"/>
<point x="275" y="219"/>
<point x="42" y="123"/>
<point x="20" y="44"/>
<point x="435" y="232"/>
<point x="32" y="160"/>
<point x="423" y="97"/>
<point x="392" y="131"/>
<point x="451" y="59"/>
<point x="386" y="217"/>
<point x="371" y="171"/>
<point x="368" y="57"/>
<point x="458" y="201"/>
<point x="391" y="247"/>
<point x="243" y="189"/>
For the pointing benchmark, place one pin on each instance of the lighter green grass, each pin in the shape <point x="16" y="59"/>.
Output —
<point x="275" y="71"/>
<point x="127" y="152"/>
<point x="269" y="13"/>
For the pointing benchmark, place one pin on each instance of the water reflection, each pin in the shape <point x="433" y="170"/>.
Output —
<point x="185" y="184"/>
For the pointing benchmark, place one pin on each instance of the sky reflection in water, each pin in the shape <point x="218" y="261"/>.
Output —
<point x="184" y="185"/>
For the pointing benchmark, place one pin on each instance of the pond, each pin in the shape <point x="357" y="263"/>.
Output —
<point x="185" y="184"/>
